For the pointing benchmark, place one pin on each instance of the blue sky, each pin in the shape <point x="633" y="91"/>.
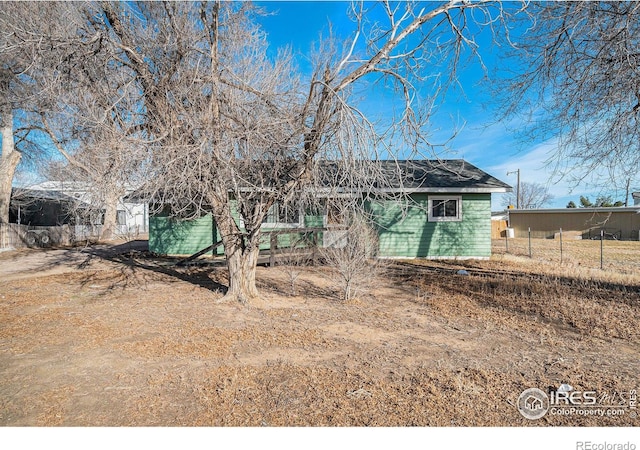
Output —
<point x="483" y="141"/>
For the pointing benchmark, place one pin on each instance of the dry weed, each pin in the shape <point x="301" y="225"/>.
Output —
<point x="426" y="348"/>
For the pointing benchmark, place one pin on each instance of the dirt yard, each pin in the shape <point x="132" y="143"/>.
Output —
<point x="113" y="337"/>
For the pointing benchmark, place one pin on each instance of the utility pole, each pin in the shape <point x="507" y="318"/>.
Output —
<point x="517" y="188"/>
<point x="626" y="194"/>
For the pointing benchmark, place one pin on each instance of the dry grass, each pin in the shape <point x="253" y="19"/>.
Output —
<point x="621" y="259"/>
<point x="133" y="346"/>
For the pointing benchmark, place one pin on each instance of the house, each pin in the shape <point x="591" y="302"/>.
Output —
<point x="51" y="203"/>
<point x="621" y="223"/>
<point x="533" y="403"/>
<point x="448" y="215"/>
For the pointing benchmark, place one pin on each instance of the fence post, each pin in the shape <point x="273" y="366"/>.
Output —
<point x="530" y="242"/>
<point x="506" y="241"/>
<point x="273" y="245"/>
<point x="314" y="243"/>
<point x="561" y="246"/>
<point x="601" y="249"/>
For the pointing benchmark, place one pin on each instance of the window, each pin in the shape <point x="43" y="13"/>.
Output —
<point x="445" y="209"/>
<point x="121" y="217"/>
<point x="334" y="215"/>
<point x="282" y="216"/>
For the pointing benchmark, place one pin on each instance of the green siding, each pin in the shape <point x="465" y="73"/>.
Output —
<point x="169" y="236"/>
<point x="404" y="232"/>
<point x="408" y="233"/>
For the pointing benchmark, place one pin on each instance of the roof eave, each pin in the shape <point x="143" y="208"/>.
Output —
<point x="448" y="190"/>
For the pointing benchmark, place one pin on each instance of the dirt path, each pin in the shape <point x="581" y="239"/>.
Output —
<point x="32" y="263"/>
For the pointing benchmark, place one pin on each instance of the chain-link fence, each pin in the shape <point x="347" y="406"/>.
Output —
<point x="600" y="252"/>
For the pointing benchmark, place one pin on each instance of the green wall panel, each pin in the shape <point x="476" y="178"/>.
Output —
<point x="169" y="236"/>
<point x="406" y="232"/>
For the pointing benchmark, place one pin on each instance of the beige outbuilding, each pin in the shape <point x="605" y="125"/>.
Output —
<point x="621" y="223"/>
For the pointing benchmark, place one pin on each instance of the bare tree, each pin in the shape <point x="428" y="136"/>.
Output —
<point x="93" y="129"/>
<point x="531" y="196"/>
<point x="353" y="257"/>
<point x="19" y="55"/>
<point x="235" y="132"/>
<point x="577" y="79"/>
<point x="71" y="98"/>
<point x="10" y="157"/>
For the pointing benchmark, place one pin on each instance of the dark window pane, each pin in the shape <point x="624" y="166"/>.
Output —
<point x="438" y="209"/>
<point x="444" y="208"/>
<point x="121" y="217"/>
<point x="451" y="208"/>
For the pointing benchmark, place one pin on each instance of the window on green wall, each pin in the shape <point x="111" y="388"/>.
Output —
<point x="445" y="208"/>
<point x="282" y="216"/>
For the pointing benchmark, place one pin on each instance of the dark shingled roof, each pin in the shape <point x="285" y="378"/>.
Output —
<point x="446" y="176"/>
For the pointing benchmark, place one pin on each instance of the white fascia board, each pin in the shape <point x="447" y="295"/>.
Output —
<point x="430" y="190"/>
<point x="452" y="190"/>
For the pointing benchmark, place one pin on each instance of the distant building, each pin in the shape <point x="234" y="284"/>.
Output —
<point x="617" y="223"/>
<point x="52" y="203"/>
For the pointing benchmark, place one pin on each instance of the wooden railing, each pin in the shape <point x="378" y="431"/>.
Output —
<point x="299" y="239"/>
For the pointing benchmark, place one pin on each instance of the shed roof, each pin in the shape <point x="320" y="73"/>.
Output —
<point x="26" y="196"/>
<point x="607" y="210"/>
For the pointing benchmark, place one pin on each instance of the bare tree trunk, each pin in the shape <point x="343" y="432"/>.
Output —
<point x="241" y="250"/>
<point x="110" y="217"/>
<point x="242" y="265"/>
<point x="9" y="160"/>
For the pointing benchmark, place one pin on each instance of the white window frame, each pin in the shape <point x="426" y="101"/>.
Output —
<point x="438" y="198"/>
<point x="279" y="225"/>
